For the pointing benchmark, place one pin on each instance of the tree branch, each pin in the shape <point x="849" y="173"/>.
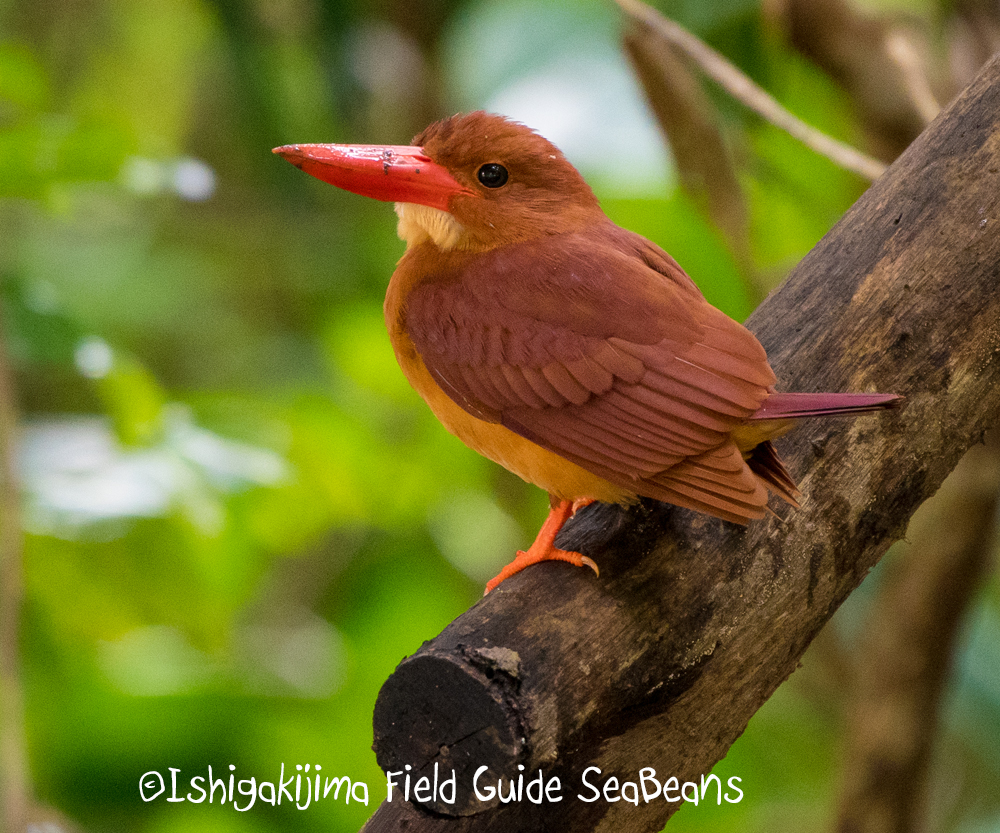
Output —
<point x="694" y="623"/>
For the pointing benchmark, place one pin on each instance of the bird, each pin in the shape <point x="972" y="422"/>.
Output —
<point x="575" y="353"/>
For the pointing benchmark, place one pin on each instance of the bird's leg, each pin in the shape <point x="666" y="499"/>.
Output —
<point x="544" y="549"/>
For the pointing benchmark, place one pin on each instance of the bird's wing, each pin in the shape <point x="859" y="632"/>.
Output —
<point x="599" y="348"/>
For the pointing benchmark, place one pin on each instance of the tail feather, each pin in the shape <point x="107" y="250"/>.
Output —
<point x="794" y="405"/>
<point x="768" y="466"/>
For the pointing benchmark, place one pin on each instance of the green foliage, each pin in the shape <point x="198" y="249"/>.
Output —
<point x="676" y="225"/>
<point x="795" y="195"/>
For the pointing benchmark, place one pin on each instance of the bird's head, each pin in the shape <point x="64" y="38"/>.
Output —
<point x="472" y="182"/>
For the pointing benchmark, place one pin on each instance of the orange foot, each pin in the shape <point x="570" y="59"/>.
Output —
<point x="544" y="548"/>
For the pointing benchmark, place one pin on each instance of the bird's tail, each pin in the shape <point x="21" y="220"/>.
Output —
<point x="795" y="405"/>
<point x="768" y="466"/>
<point x="779" y="413"/>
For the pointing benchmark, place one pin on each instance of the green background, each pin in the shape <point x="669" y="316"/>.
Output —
<point x="238" y="516"/>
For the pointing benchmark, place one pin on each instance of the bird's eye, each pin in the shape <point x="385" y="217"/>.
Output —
<point x="492" y="175"/>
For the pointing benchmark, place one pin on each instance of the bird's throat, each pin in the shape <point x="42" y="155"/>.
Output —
<point x="420" y="223"/>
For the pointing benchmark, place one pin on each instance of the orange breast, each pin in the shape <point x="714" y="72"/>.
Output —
<point x="529" y="461"/>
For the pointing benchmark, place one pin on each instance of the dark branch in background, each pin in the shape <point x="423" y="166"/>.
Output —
<point x="881" y="61"/>
<point x="14" y="780"/>
<point x="692" y="129"/>
<point x="693" y="623"/>
<point x="905" y="657"/>
<point x="667" y="60"/>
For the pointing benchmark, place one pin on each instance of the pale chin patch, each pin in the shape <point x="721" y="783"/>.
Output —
<point x="418" y="223"/>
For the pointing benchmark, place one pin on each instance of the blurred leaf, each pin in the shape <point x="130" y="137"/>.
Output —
<point x="94" y="150"/>
<point x="703" y="17"/>
<point x="796" y="195"/>
<point x="23" y="80"/>
<point x="134" y="401"/>
<point x="359" y="346"/>
<point x="37" y="331"/>
<point x="146" y="70"/>
<point x="682" y="230"/>
<point x="691" y="125"/>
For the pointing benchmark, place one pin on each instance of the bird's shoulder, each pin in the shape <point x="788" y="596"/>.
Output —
<point x="600" y="283"/>
<point x="556" y="321"/>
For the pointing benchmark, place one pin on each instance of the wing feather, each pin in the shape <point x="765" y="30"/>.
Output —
<point x="523" y="392"/>
<point x="644" y="392"/>
<point x="738" y="355"/>
<point x="701" y="387"/>
<point x="565" y="383"/>
<point x="498" y="377"/>
<point x="590" y="374"/>
<point x="711" y="424"/>
<point x="475" y="385"/>
<point x="684" y="435"/>
<point x="543" y="387"/>
<point x="656" y="434"/>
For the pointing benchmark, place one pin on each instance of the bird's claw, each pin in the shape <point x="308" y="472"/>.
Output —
<point x="524" y="559"/>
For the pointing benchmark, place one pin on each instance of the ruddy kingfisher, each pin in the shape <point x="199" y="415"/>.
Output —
<point x="576" y="354"/>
